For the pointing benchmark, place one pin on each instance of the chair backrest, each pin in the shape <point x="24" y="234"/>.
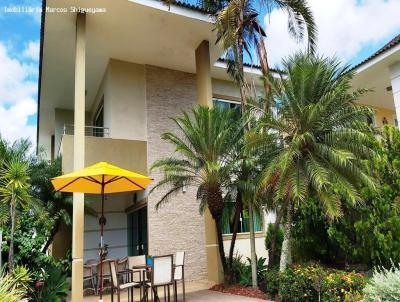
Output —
<point x="106" y="267"/>
<point x="179" y="265"/>
<point x="87" y="271"/>
<point x="91" y="261"/>
<point x="113" y="269"/>
<point x="136" y="261"/>
<point x="162" y="270"/>
<point x="122" y="264"/>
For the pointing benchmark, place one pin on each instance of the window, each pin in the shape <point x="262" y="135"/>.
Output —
<point x="223" y="103"/>
<point x="244" y="226"/>
<point x="99" y="120"/>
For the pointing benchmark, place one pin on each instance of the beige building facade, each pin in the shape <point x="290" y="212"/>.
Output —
<point x="109" y="85"/>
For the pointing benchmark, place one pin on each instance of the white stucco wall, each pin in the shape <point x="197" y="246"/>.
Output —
<point x="115" y="231"/>
<point x="126" y="100"/>
<point x="242" y="245"/>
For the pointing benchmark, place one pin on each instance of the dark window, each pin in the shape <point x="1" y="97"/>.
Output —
<point x="223" y="103"/>
<point x="98" y="129"/>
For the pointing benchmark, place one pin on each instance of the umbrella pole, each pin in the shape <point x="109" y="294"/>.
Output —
<point x="102" y="222"/>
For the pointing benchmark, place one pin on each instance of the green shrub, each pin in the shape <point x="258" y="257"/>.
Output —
<point x="242" y="270"/>
<point x="53" y="285"/>
<point x="294" y="285"/>
<point x="13" y="286"/>
<point x="313" y="282"/>
<point x="383" y="286"/>
<point x="271" y="283"/>
<point x="368" y="234"/>
<point x="238" y="266"/>
<point x="279" y="241"/>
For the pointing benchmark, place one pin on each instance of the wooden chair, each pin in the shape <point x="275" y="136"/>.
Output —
<point x="179" y="274"/>
<point x="116" y="285"/>
<point x="88" y="275"/>
<point x="122" y="265"/>
<point x="106" y="274"/>
<point x="162" y="275"/>
<point x="138" y="275"/>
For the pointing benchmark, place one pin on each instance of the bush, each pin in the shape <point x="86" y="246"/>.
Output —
<point x="271" y="283"/>
<point x="242" y="271"/>
<point x="53" y="285"/>
<point x="238" y="266"/>
<point x="13" y="286"/>
<point x="383" y="286"/>
<point x="311" y="283"/>
<point x="368" y="234"/>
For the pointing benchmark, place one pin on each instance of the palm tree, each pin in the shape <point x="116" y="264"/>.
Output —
<point x="238" y="30"/>
<point x="204" y="149"/>
<point x="323" y="135"/>
<point x="14" y="190"/>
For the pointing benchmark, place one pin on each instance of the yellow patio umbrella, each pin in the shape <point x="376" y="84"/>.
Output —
<point x="101" y="178"/>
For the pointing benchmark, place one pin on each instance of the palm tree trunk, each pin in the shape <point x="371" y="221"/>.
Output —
<point x="221" y="250"/>
<point x="236" y="221"/>
<point x="272" y="249"/>
<point x="11" y="251"/>
<point x="286" y="254"/>
<point x="252" y="247"/>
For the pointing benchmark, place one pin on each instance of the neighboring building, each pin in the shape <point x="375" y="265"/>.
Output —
<point x="381" y="73"/>
<point x="110" y="82"/>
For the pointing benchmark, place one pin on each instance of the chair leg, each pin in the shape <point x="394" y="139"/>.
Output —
<point x="169" y="297"/>
<point x="183" y="288"/>
<point x="165" y="294"/>
<point x="112" y="294"/>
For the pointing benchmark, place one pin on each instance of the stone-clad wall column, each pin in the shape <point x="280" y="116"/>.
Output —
<point x="177" y="226"/>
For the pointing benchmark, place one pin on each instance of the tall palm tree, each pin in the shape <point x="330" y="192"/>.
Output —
<point x="323" y="135"/>
<point x="239" y="31"/>
<point x="203" y="159"/>
<point x="14" y="190"/>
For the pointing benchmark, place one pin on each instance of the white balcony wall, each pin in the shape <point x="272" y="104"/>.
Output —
<point x="124" y="90"/>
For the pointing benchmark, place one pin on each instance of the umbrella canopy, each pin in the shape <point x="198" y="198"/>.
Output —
<point x="101" y="176"/>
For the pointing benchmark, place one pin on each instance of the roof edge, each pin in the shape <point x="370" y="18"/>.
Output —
<point x="388" y="46"/>
<point x="42" y="24"/>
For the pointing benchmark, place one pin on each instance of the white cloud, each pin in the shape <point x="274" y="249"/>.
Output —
<point x="17" y="94"/>
<point x="14" y="121"/>
<point x="14" y="82"/>
<point x="344" y="27"/>
<point x="32" y="51"/>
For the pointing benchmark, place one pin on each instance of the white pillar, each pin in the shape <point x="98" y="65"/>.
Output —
<point x="79" y="159"/>
<point x="395" y="80"/>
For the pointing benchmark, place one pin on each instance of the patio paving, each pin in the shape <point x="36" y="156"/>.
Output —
<point x="195" y="292"/>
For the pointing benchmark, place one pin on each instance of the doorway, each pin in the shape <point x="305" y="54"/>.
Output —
<point x="137" y="232"/>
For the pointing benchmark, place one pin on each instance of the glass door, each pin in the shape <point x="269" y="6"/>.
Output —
<point x="137" y="232"/>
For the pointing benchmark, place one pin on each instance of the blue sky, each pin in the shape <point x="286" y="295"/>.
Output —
<point x="349" y="29"/>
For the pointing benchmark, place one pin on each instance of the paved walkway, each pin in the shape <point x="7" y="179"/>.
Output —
<point x="195" y="292"/>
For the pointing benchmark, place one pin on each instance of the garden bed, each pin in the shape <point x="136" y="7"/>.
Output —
<point x="240" y="291"/>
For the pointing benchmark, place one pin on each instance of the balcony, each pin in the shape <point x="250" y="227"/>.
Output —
<point x="129" y="154"/>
